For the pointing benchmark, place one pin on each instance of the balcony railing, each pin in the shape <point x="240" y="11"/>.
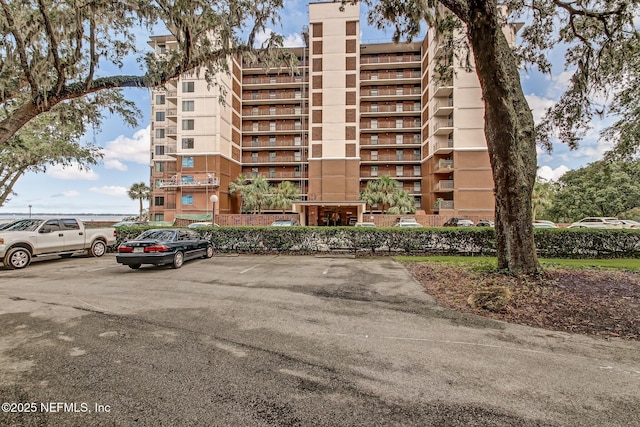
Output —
<point x="278" y="175"/>
<point x="268" y="96"/>
<point x="281" y="79"/>
<point x="276" y="112"/>
<point x="268" y="128"/>
<point x="278" y="159"/>
<point x="176" y="183"/>
<point x="390" y="76"/>
<point x="391" y="158"/>
<point x="444" y="164"/>
<point x="442" y="205"/>
<point x="390" y="141"/>
<point x="390" y="125"/>
<point x="391" y="92"/>
<point x="269" y="144"/>
<point x="443" y="185"/>
<point x="389" y="109"/>
<point x="388" y="59"/>
<point x="171" y="131"/>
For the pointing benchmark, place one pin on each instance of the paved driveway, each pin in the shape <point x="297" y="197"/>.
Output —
<point x="286" y="341"/>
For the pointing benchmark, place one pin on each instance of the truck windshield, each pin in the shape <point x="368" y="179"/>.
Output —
<point x="25" y="225"/>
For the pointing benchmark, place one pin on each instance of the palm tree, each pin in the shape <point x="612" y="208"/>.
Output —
<point x="542" y="195"/>
<point x="284" y="195"/>
<point x="259" y="192"/>
<point x="139" y="191"/>
<point x="402" y="202"/>
<point x="380" y="191"/>
<point x="240" y="186"/>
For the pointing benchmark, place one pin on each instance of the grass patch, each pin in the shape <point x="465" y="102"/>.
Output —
<point x="490" y="263"/>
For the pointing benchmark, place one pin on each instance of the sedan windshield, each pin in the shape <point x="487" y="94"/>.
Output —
<point x="160" y="235"/>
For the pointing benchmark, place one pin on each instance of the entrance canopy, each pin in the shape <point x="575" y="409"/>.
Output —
<point x="319" y="212"/>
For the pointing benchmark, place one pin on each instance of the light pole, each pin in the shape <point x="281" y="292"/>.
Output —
<point x="213" y="199"/>
<point x="30" y="211"/>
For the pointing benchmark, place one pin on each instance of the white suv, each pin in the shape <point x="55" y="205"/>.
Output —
<point x="597" y="222"/>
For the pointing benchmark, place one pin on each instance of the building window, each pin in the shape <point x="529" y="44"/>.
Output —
<point x="272" y="111"/>
<point x="186" y="179"/>
<point x="374" y="139"/>
<point x="158" y="201"/>
<point x="297" y="156"/>
<point x="399" y="106"/>
<point x="254" y="157"/>
<point x="374" y="123"/>
<point x="160" y="116"/>
<point x="374" y="155"/>
<point x="158" y="217"/>
<point x="255" y="126"/>
<point x="272" y="141"/>
<point x="398" y="123"/>
<point x="374" y="170"/>
<point x="159" y="150"/>
<point x="254" y="141"/>
<point x="272" y="156"/>
<point x="159" y="132"/>
<point x="399" y="139"/>
<point x="374" y="91"/>
<point x="188" y="87"/>
<point x="188" y="124"/>
<point x="416" y="154"/>
<point x="399" y="155"/>
<point x="298" y="94"/>
<point x="417" y="186"/>
<point x="416" y="138"/>
<point x="297" y="125"/>
<point x="416" y="171"/>
<point x="399" y="91"/>
<point x="160" y="99"/>
<point x="187" y="200"/>
<point x="272" y="172"/>
<point x="399" y="170"/>
<point x="187" y="162"/>
<point x="159" y="166"/>
<point x="272" y="126"/>
<point x="188" y="105"/>
<point x="187" y="143"/>
<point x="296" y="171"/>
<point x="162" y="49"/>
<point x="374" y="108"/>
<point x="272" y="94"/>
<point x="255" y="111"/>
<point x="297" y="140"/>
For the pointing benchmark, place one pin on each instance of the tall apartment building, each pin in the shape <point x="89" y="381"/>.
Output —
<point x="352" y="113"/>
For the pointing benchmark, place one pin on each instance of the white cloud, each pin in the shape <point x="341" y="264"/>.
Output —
<point x="66" y="194"/>
<point x="110" y="190"/>
<point x="128" y="149"/>
<point x="291" y="40"/>
<point x="548" y="174"/>
<point x="538" y="105"/>
<point x="72" y="172"/>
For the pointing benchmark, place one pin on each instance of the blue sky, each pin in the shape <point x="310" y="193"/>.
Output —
<point x="102" y="189"/>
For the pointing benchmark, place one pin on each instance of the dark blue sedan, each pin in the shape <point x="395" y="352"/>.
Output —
<point x="163" y="246"/>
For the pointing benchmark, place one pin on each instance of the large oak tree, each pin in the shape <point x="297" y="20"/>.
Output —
<point x="601" y="44"/>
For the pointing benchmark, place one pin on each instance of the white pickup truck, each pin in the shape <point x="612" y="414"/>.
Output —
<point x="33" y="237"/>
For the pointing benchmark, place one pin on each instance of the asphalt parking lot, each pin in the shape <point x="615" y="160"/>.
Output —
<point x="286" y="341"/>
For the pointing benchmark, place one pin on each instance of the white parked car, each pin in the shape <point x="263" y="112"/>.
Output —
<point x="542" y="223"/>
<point x="597" y="222"/>
<point x="627" y="223"/>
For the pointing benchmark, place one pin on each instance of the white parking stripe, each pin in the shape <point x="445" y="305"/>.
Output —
<point x="250" y="268"/>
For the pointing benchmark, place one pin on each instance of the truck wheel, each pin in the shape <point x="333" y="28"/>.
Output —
<point x="98" y="248"/>
<point x="17" y="258"/>
<point x="178" y="260"/>
<point x="134" y="266"/>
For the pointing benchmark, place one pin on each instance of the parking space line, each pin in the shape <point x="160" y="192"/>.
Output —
<point x="250" y="268"/>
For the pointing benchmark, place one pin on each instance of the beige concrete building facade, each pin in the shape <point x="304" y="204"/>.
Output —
<point x="353" y="112"/>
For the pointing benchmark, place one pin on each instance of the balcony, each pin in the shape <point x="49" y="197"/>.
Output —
<point x="280" y="80"/>
<point x="443" y="88"/>
<point x="391" y="126"/>
<point x="271" y="160"/>
<point x="443" y="108"/>
<point x="171" y="131"/>
<point x="390" y="94"/>
<point x="389" y="142"/>
<point x="172" y="111"/>
<point x="277" y="175"/>
<point x="444" y="185"/>
<point x="267" y="145"/>
<point x="172" y="93"/>
<point x="386" y="158"/>
<point x="382" y="61"/>
<point x="275" y="113"/>
<point x="386" y="78"/>
<point x="444" y="166"/>
<point x="279" y="128"/>
<point x="175" y="183"/>
<point x="443" y="127"/>
<point x="270" y="98"/>
<point x="443" y="147"/>
<point x="443" y="205"/>
<point x="388" y="110"/>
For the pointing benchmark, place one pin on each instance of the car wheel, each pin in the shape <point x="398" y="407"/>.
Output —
<point x="134" y="266"/>
<point x="178" y="260"/>
<point x="98" y="248"/>
<point x="17" y="258"/>
<point x="209" y="253"/>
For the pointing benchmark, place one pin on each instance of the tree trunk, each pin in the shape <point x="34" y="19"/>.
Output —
<point x="509" y="130"/>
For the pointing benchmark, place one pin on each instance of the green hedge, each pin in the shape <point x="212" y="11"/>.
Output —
<point x="551" y="243"/>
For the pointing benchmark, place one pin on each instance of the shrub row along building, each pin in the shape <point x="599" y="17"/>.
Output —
<point x="352" y="113"/>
